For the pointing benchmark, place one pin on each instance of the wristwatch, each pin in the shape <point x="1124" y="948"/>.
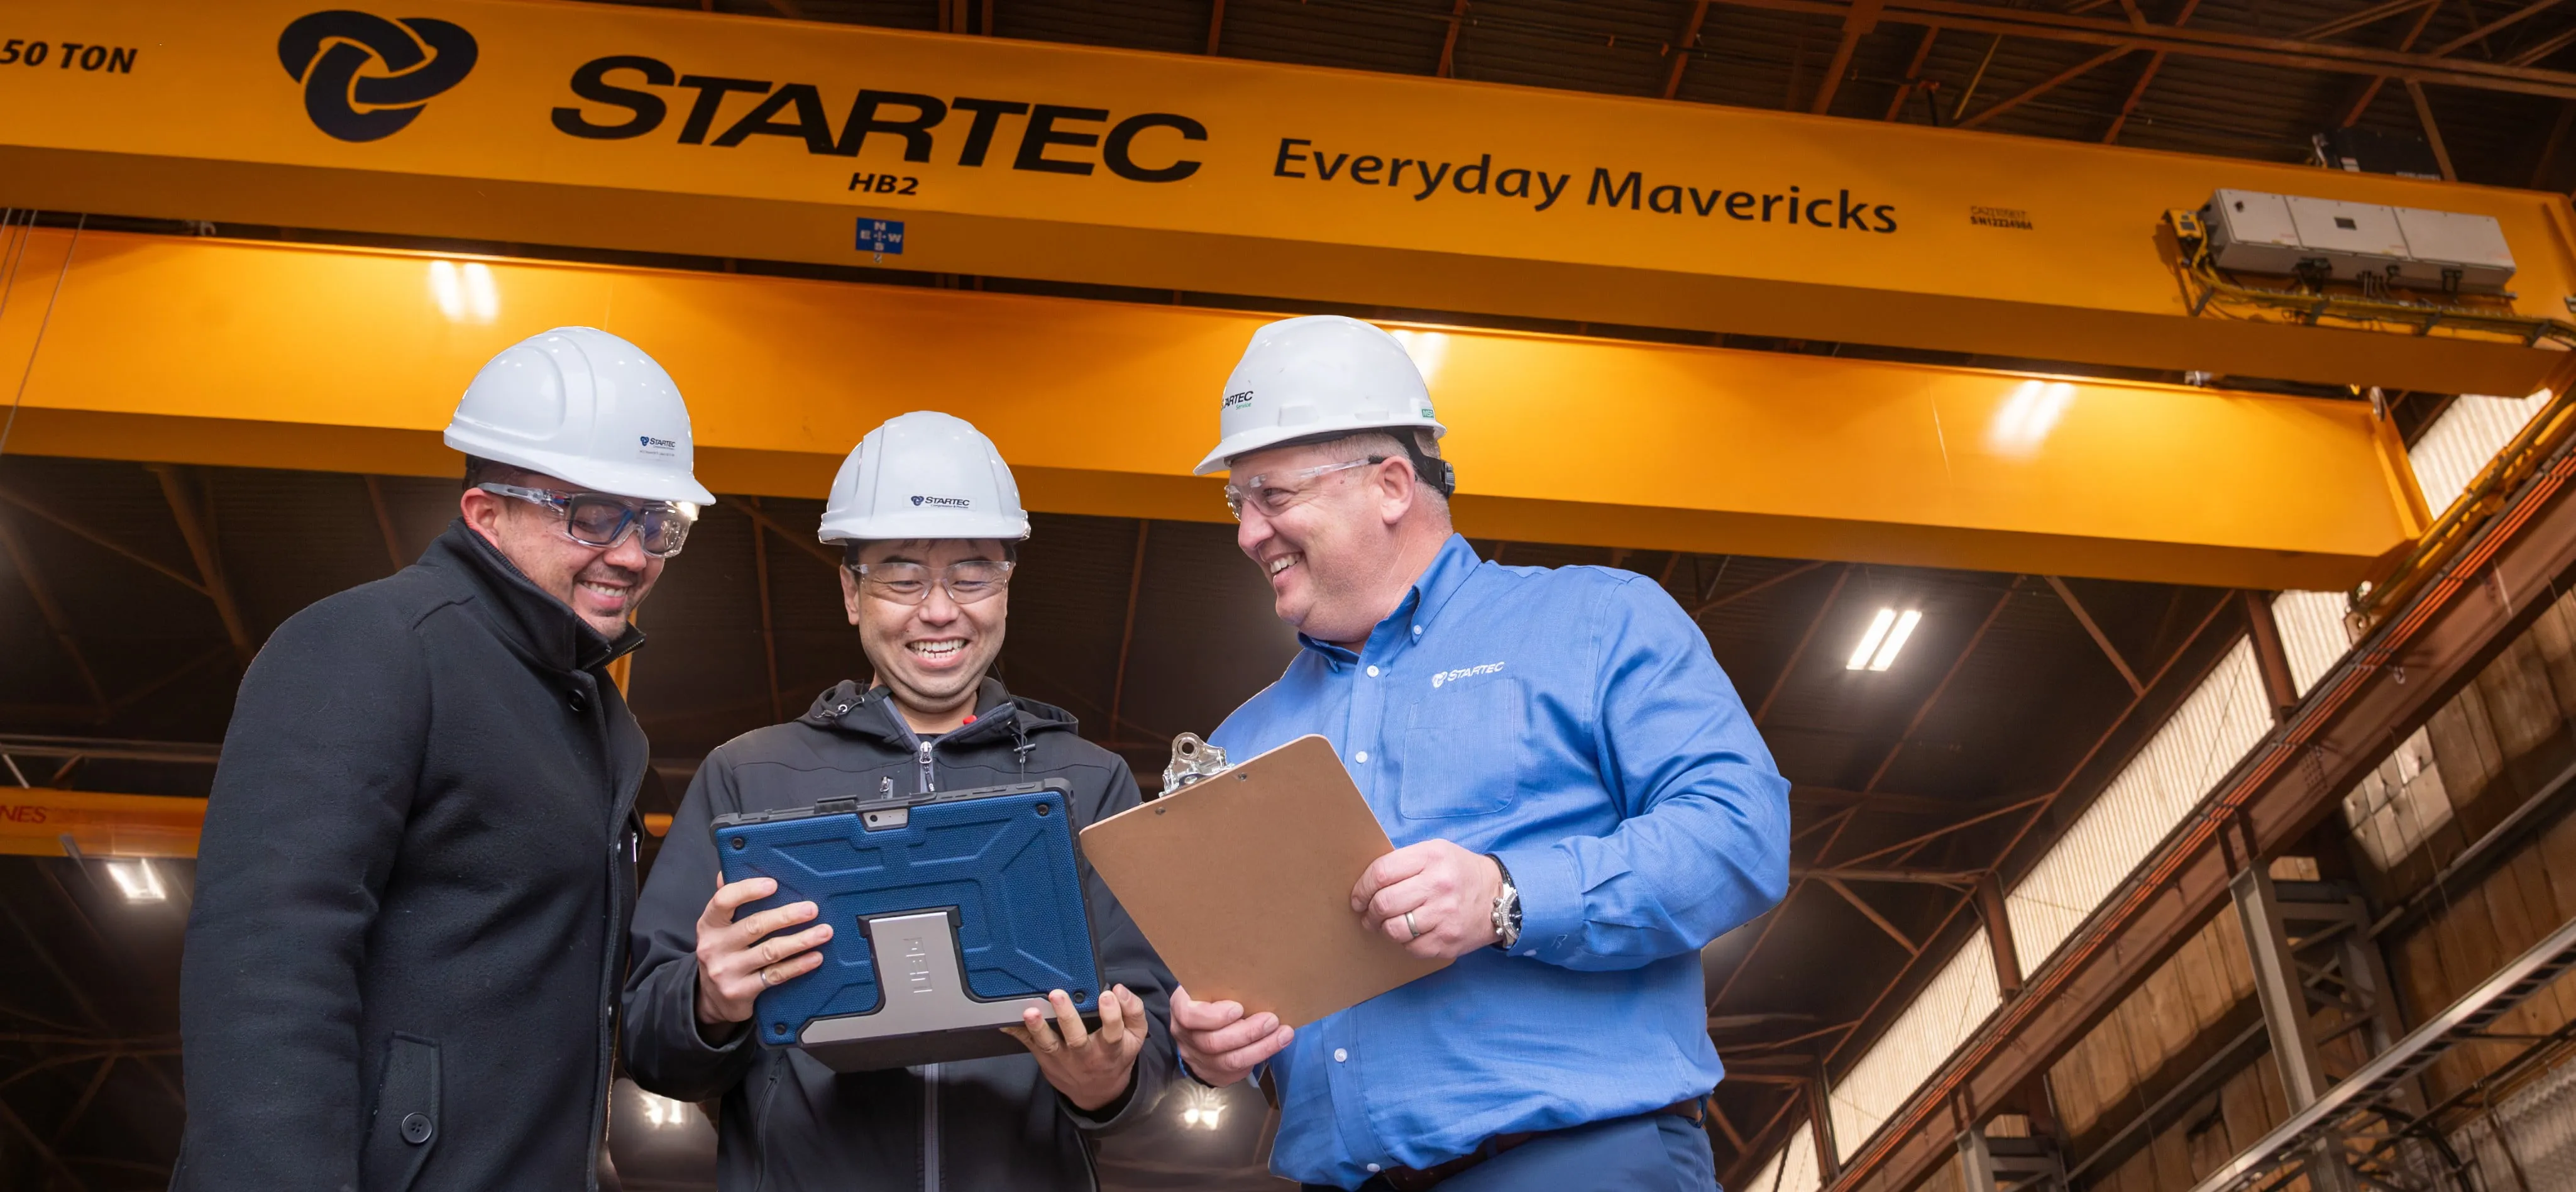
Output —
<point x="1507" y="907"/>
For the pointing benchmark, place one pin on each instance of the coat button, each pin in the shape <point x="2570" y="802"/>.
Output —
<point x="416" y="1128"/>
<point x="578" y="701"/>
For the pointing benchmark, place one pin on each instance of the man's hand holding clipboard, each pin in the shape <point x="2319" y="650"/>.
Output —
<point x="1276" y="898"/>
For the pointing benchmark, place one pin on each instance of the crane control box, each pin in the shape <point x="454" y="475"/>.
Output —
<point x="2256" y="232"/>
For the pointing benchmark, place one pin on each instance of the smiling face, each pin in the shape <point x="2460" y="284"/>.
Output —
<point x="602" y="586"/>
<point x="930" y="655"/>
<point x="1336" y="557"/>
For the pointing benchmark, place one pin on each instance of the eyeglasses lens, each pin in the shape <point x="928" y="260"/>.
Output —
<point x="600" y="521"/>
<point x="909" y="583"/>
<point x="1275" y="499"/>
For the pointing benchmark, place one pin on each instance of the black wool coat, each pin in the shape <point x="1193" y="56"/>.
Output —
<point x="402" y="965"/>
<point x="788" y="1121"/>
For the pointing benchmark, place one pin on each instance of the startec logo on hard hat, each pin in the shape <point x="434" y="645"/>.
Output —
<point x="1238" y="399"/>
<point x="943" y="502"/>
<point x="414" y="60"/>
<point x="647" y="445"/>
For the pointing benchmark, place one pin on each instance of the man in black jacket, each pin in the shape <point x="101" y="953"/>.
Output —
<point x="402" y="964"/>
<point x="929" y="517"/>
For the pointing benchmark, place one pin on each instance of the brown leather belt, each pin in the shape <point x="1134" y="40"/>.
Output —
<point x="1415" y="1179"/>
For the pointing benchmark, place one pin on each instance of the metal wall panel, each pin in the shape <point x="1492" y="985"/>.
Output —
<point x="1793" y="1169"/>
<point x="2460" y="442"/>
<point x="2312" y="634"/>
<point x="2527" y="1144"/>
<point x="2205" y="737"/>
<point x="2398" y="806"/>
<point x="1950" y="1007"/>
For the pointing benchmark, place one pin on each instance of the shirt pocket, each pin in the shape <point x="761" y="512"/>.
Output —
<point x="1466" y="745"/>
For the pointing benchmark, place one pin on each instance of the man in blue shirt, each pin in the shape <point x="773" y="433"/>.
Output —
<point x="1579" y="800"/>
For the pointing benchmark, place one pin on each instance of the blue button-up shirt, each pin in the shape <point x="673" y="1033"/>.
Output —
<point x="1572" y="722"/>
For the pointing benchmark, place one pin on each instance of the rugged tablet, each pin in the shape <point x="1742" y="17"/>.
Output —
<point x="952" y="910"/>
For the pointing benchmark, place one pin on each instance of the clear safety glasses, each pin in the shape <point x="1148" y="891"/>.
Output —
<point x="966" y="582"/>
<point x="598" y="519"/>
<point x="1273" y="495"/>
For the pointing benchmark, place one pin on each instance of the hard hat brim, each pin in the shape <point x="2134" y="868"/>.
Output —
<point x="1264" y="437"/>
<point x="911" y="525"/>
<point x="632" y="481"/>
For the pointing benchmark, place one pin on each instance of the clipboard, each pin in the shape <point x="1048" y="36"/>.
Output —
<point x="1242" y="882"/>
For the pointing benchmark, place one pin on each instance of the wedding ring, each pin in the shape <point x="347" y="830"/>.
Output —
<point x="1415" y="932"/>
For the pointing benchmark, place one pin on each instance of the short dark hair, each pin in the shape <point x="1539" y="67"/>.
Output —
<point x="851" y="548"/>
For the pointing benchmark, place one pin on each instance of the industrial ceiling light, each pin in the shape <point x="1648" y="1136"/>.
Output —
<point x="138" y="881"/>
<point x="1886" y="635"/>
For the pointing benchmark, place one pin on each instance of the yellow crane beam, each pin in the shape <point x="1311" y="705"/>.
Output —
<point x="34" y="822"/>
<point x="644" y="129"/>
<point x="261" y="354"/>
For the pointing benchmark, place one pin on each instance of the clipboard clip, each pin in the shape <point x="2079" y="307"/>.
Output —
<point x="1193" y="760"/>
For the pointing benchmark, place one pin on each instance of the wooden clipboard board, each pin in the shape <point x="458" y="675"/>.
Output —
<point x="1242" y="882"/>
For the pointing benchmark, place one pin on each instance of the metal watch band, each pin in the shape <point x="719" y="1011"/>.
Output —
<point x="1507" y="907"/>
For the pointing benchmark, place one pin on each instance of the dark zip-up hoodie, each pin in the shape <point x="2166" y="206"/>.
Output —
<point x="787" y="1121"/>
<point x="401" y="968"/>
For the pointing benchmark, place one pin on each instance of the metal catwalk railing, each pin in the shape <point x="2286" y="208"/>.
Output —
<point x="2362" y="1119"/>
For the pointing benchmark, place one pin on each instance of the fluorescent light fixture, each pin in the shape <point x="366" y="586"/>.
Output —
<point x="1887" y="633"/>
<point x="1878" y="627"/>
<point x="1905" y="623"/>
<point x="138" y="881"/>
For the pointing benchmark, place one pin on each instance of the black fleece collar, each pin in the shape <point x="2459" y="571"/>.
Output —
<point x="871" y="712"/>
<point x="531" y="619"/>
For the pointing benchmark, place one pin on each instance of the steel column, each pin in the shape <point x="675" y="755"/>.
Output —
<point x="1988" y="1164"/>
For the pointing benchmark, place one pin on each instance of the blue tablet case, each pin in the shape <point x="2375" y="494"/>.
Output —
<point x="997" y="862"/>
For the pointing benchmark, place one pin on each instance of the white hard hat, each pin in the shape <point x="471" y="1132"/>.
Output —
<point x="924" y="475"/>
<point x="587" y="408"/>
<point x="1318" y="375"/>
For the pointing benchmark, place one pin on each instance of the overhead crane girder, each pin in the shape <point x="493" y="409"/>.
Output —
<point x="210" y="351"/>
<point x="641" y="129"/>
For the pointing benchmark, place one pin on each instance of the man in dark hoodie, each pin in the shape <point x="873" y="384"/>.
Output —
<point x="929" y="519"/>
<point x="411" y="896"/>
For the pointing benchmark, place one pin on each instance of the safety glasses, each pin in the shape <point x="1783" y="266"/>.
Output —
<point x="601" y="520"/>
<point x="1273" y="495"/>
<point x="966" y="582"/>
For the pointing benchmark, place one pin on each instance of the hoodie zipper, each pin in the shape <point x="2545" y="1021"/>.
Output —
<point x="929" y="1125"/>
<point x="929" y="1072"/>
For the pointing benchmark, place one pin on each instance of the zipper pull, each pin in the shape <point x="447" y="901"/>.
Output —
<point x="929" y="779"/>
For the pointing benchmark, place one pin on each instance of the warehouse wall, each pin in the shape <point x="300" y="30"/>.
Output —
<point x="2500" y="742"/>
